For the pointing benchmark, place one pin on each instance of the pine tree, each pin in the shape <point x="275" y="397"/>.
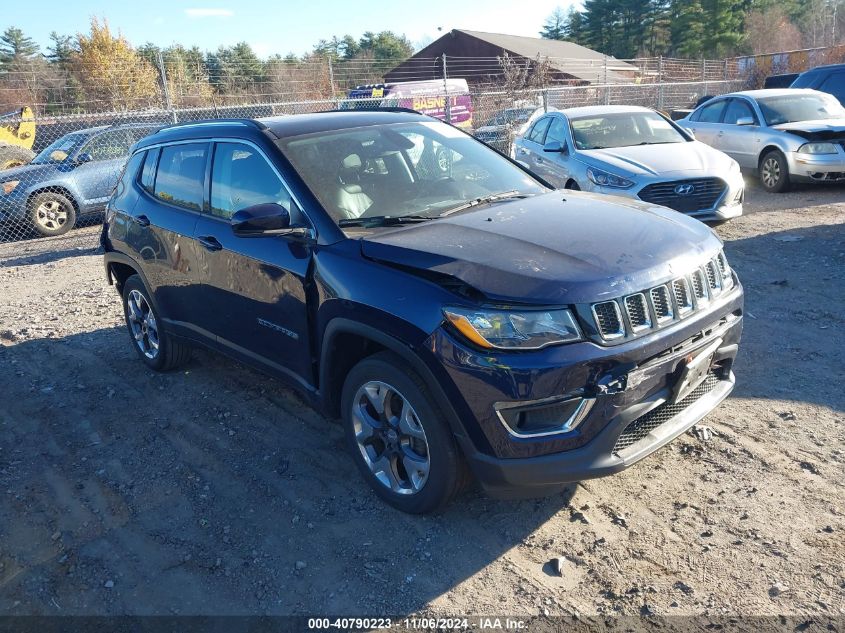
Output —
<point x="555" y="26"/>
<point x="15" y="45"/>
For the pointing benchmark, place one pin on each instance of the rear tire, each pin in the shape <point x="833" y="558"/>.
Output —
<point x="51" y="213"/>
<point x="774" y="172"/>
<point x="155" y="347"/>
<point x="399" y="438"/>
<point x="14" y="156"/>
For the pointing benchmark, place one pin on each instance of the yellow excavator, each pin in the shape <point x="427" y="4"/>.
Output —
<point x="17" y="136"/>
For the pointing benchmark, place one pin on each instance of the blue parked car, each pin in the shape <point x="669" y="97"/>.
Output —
<point x="71" y="177"/>
<point x="466" y="320"/>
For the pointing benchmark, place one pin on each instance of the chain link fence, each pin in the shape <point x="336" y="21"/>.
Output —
<point x="62" y="151"/>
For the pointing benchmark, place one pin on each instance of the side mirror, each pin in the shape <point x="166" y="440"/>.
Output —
<point x="555" y="146"/>
<point x="745" y="120"/>
<point x="261" y="219"/>
<point x="84" y="157"/>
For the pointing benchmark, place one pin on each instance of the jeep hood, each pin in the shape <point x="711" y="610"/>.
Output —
<point x="696" y="158"/>
<point x="556" y="248"/>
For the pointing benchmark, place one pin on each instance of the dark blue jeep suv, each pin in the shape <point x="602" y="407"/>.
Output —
<point x="458" y="315"/>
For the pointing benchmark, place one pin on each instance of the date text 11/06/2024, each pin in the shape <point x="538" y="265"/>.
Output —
<point x="422" y="623"/>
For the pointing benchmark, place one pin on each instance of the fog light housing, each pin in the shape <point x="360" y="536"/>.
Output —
<point x="540" y="418"/>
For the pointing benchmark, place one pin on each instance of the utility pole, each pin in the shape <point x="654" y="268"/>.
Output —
<point x="446" y="103"/>
<point x="168" y="104"/>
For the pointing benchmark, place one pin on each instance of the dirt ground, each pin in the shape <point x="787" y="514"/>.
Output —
<point x="214" y="490"/>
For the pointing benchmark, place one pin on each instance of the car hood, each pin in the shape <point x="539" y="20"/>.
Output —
<point x="28" y="173"/>
<point x="556" y="248"/>
<point x="653" y="160"/>
<point x="816" y="130"/>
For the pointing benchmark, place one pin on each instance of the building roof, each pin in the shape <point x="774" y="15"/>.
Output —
<point x="566" y="57"/>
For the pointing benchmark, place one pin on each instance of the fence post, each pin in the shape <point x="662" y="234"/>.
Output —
<point x="446" y="103"/>
<point x="331" y="75"/>
<point x="606" y="85"/>
<point x="704" y="73"/>
<point x="660" y="98"/>
<point x="168" y="104"/>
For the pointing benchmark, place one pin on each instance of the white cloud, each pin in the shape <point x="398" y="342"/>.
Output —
<point x="208" y="12"/>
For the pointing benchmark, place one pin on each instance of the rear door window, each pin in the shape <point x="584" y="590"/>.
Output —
<point x="181" y="175"/>
<point x="711" y="112"/>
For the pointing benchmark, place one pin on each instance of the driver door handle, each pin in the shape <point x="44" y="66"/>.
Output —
<point x="210" y="243"/>
<point x="539" y="159"/>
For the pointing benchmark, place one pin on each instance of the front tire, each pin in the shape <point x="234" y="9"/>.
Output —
<point x="51" y="213"/>
<point x="774" y="172"/>
<point x="399" y="438"/>
<point x="155" y="347"/>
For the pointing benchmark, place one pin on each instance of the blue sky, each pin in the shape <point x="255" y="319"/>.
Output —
<point x="275" y="27"/>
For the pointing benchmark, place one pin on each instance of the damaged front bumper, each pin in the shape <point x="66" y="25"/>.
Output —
<point x="615" y="405"/>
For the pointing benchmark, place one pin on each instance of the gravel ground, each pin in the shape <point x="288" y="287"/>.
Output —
<point x="214" y="490"/>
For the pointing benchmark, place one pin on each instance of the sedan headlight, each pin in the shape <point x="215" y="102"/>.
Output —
<point x="817" y="148"/>
<point x="606" y="179"/>
<point x="514" y="329"/>
<point x="9" y="186"/>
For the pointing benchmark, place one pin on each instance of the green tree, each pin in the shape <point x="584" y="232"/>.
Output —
<point x="686" y="28"/>
<point x="15" y="45"/>
<point x="62" y="48"/>
<point x="555" y="26"/>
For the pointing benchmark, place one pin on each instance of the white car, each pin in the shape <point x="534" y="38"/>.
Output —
<point x="635" y="152"/>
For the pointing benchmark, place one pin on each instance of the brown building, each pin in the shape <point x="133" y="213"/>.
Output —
<point x="472" y="55"/>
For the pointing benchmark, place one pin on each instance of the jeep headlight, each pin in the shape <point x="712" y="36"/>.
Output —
<point x="514" y="329"/>
<point x="604" y="178"/>
<point x="9" y="186"/>
<point x="817" y="148"/>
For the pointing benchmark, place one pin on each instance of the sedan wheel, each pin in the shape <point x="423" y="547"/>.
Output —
<point x="774" y="172"/>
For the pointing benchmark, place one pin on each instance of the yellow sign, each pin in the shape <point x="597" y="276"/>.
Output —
<point x="378" y="92"/>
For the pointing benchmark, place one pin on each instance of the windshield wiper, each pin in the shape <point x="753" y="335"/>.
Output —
<point x="656" y="142"/>
<point x="383" y="220"/>
<point x="483" y="200"/>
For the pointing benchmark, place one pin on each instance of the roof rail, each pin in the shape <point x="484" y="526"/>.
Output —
<point x="379" y="109"/>
<point x="256" y="124"/>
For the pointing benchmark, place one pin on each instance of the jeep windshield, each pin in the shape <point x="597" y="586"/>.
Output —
<point x="623" y="129"/>
<point x="415" y="170"/>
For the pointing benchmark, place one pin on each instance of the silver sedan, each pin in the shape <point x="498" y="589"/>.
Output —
<point x="788" y="135"/>
<point x="635" y="152"/>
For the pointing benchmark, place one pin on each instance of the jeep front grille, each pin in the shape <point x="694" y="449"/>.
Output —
<point x="664" y="304"/>
<point x="609" y="320"/>
<point x="637" y="310"/>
